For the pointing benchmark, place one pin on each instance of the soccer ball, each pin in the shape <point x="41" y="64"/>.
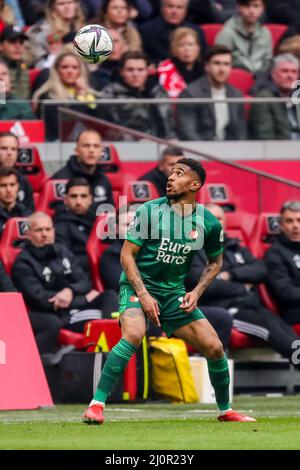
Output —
<point x="93" y="43"/>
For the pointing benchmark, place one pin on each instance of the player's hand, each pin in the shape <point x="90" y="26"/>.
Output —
<point x="190" y="301"/>
<point x="150" y="308"/>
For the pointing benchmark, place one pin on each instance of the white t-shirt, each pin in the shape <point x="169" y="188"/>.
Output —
<point x="221" y="112"/>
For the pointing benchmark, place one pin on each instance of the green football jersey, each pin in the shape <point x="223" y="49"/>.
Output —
<point x="168" y="241"/>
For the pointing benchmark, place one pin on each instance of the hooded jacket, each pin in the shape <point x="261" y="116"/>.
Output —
<point x="101" y="187"/>
<point x="243" y="269"/>
<point x="40" y="272"/>
<point x="283" y="277"/>
<point x="73" y="231"/>
<point x="252" y="52"/>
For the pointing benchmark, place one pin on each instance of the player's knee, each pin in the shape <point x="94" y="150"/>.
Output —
<point x="214" y="349"/>
<point x="134" y="337"/>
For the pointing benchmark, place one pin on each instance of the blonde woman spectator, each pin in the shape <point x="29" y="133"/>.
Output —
<point x="63" y="18"/>
<point x="185" y="65"/>
<point x="115" y="14"/>
<point x="68" y="80"/>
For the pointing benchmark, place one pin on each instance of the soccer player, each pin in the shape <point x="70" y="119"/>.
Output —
<point x="156" y="257"/>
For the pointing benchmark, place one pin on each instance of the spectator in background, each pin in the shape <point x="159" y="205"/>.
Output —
<point x="16" y="110"/>
<point x="9" y="205"/>
<point x="84" y="165"/>
<point x="114" y="14"/>
<point x="75" y="219"/>
<point x="283" y="263"/>
<point x="235" y="289"/>
<point x="211" y="11"/>
<point x="17" y="12"/>
<point x="159" y="175"/>
<point x="277" y="120"/>
<point x="108" y="71"/>
<point x="9" y="147"/>
<point x="185" y="65"/>
<point x="282" y="11"/>
<point x="135" y="83"/>
<point x="213" y="121"/>
<point x="156" y="32"/>
<point x="139" y="9"/>
<point x="32" y="10"/>
<point x="250" y="42"/>
<point x="290" y="41"/>
<point x="68" y="80"/>
<point x="6" y="284"/>
<point x="7" y="17"/>
<point x="56" y="290"/>
<point x="110" y="272"/>
<point x="12" y="50"/>
<point x="63" y="18"/>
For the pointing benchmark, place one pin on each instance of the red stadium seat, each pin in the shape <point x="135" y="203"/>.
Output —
<point x="264" y="233"/>
<point x="67" y="337"/>
<point x="239" y="340"/>
<point x="112" y="167"/>
<point x="277" y="31"/>
<point x="239" y="224"/>
<point x="218" y="193"/>
<point x="95" y="247"/>
<point x="139" y="192"/>
<point x="33" y="73"/>
<point x="210" y="31"/>
<point x="241" y="79"/>
<point x="10" y="243"/>
<point x="52" y="193"/>
<point x="30" y="164"/>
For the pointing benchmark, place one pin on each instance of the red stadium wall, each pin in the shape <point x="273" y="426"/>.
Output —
<point x="23" y="382"/>
<point x="246" y="186"/>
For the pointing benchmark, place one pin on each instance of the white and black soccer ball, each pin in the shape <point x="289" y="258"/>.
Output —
<point x="93" y="43"/>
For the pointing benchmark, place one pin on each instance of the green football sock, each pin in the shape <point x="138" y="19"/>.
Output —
<point x="115" y="364"/>
<point x="219" y="377"/>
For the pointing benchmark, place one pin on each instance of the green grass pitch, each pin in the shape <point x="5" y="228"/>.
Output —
<point x="156" y="426"/>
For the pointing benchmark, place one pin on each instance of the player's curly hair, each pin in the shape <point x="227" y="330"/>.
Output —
<point x="195" y="166"/>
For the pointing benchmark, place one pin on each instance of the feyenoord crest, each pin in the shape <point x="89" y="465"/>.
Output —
<point x="133" y="298"/>
<point x="194" y="234"/>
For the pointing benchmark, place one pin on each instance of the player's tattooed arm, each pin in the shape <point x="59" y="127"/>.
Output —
<point x="128" y="254"/>
<point x="211" y="270"/>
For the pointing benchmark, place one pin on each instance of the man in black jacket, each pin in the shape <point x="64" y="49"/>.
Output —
<point x="6" y="284"/>
<point x="216" y="120"/>
<point x="235" y="289"/>
<point x="9" y="146"/>
<point x="110" y="272"/>
<point x="9" y="205"/>
<point x="84" y="164"/>
<point x="74" y="220"/>
<point x="55" y="288"/>
<point x="156" y="32"/>
<point x="159" y="175"/>
<point x="283" y="262"/>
